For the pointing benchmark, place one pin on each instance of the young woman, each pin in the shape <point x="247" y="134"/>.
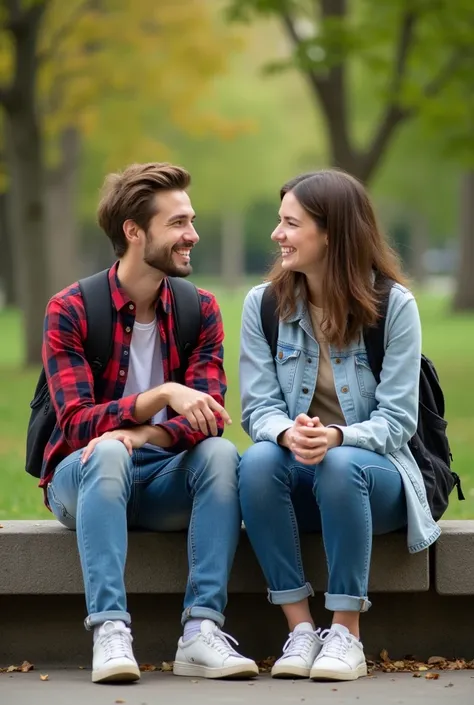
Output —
<point x="330" y="445"/>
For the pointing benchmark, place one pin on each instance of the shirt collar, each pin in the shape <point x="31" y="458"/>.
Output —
<point x="120" y="298"/>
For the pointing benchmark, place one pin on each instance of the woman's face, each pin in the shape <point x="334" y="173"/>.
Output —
<point x="303" y="244"/>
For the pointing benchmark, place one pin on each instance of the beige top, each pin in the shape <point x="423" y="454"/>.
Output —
<point x="325" y="403"/>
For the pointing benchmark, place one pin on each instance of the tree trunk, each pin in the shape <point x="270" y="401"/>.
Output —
<point x="6" y="248"/>
<point x="419" y="239"/>
<point x="23" y="150"/>
<point x="26" y="172"/>
<point x="232" y="249"/>
<point x="464" y="296"/>
<point x="61" y="194"/>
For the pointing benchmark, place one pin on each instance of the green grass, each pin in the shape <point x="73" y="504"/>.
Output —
<point x="448" y="340"/>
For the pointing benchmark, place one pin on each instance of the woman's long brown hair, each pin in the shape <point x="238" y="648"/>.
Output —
<point x="340" y="206"/>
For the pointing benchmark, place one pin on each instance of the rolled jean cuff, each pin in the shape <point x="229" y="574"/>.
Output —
<point x="347" y="603"/>
<point x="93" y="620"/>
<point x="289" y="597"/>
<point x="202" y="613"/>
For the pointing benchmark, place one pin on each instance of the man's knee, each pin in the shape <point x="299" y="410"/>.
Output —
<point x="109" y="466"/>
<point x="216" y="459"/>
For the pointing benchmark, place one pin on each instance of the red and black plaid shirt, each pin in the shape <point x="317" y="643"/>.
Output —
<point x="80" y="416"/>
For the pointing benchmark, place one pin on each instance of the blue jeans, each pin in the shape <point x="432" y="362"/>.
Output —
<point x="159" y="491"/>
<point x="351" y="495"/>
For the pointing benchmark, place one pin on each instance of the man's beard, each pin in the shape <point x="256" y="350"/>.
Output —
<point x="162" y="259"/>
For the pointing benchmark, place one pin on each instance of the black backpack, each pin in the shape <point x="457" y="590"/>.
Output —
<point x="95" y="291"/>
<point x="429" y="445"/>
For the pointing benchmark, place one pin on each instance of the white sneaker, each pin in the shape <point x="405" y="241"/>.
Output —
<point x="299" y="652"/>
<point x="341" y="657"/>
<point x="210" y="655"/>
<point x="113" y="658"/>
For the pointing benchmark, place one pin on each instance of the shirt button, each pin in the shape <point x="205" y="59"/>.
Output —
<point x="280" y="355"/>
<point x="309" y="361"/>
<point x="131" y="307"/>
<point x="337" y="360"/>
<point x="344" y="390"/>
<point x="128" y="329"/>
<point x="305" y="390"/>
<point x="125" y="352"/>
<point x="121" y="373"/>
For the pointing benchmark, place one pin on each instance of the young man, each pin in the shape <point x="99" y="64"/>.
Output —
<point x="146" y="452"/>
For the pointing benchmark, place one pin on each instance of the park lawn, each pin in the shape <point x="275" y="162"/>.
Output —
<point x="448" y="340"/>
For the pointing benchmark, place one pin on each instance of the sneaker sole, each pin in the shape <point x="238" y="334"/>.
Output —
<point x="290" y="672"/>
<point x="327" y="675"/>
<point x="189" y="669"/>
<point x="118" y="674"/>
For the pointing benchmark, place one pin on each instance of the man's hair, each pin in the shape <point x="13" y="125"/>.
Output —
<point x="130" y="194"/>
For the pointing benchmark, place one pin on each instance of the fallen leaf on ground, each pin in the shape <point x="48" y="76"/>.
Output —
<point x="166" y="666"/>
<point x="432" y="676"/>
<point x="334" y="690"/>
<point x="194" y="681"/>
<point x="26" y="666"/>
<point x="44" y="677"/>
<point x="148" y="667"/>
<point x="433" y="660"/>
<point x="1" y="526"/>
<point x="450" y="685"/>
<point x="266" y="664"/>
<point x="399" y="664"/>
<point x="417" y="675"/>
<point x="384" y="655"/>
<point x="120" y="701"/>
<point x="422" y="668"/>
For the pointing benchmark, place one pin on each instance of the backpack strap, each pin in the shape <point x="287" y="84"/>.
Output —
<point x="187" y="315"/>
<point x="270" y="318"/>
<point x="374" y="336"/>
<point x="97" y="299"/>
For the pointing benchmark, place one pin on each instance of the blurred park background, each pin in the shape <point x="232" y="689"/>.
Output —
<point x="245" y="94"/>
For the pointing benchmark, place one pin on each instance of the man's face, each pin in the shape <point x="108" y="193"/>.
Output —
<point x="171" y="235"/>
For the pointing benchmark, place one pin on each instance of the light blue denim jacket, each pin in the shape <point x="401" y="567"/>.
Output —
<point x="381" y="418"/>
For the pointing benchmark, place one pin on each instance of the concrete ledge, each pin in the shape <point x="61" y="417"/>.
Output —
<point x="454" y="559"/>
<point x="40" y="558"/>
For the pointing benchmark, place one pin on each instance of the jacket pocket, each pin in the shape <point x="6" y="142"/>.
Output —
<point x="286" y="363"/>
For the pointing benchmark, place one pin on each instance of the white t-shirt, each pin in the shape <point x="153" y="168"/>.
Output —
<point x="145" y="367"/>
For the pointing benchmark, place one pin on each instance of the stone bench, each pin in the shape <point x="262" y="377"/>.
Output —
<point x="423" y="603"/>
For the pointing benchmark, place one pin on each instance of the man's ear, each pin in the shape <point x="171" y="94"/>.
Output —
<point x="132" y="231"/>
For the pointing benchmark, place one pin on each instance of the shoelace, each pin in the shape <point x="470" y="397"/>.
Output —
<point x="219" y="641"/>
<point x="116" y="643"/>
<point x="335" y="644"/>
<point x="300" y="643"/>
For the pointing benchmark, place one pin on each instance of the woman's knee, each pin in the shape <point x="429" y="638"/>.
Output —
<point x="261" y="466"/>
<point x="339" y="472"/>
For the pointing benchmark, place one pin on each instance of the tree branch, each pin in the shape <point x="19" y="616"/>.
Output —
<point x="405" y="42"/>
<point x="394" y="114"/>
<point x="62" y="33"/>
<point x="446" y="72"/>
<point x="329" y="89"/>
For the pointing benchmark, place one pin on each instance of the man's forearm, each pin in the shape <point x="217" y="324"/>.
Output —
<point x="159" y="437"/>
<point x="150" y="403"/>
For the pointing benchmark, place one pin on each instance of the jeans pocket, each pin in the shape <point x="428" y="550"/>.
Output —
<point x="59" y="510"/>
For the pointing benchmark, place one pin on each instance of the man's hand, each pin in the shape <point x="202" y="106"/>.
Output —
<point x="309" y="440"/>
<point x="131" y="438"/>
<point x="200" y="409"/>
